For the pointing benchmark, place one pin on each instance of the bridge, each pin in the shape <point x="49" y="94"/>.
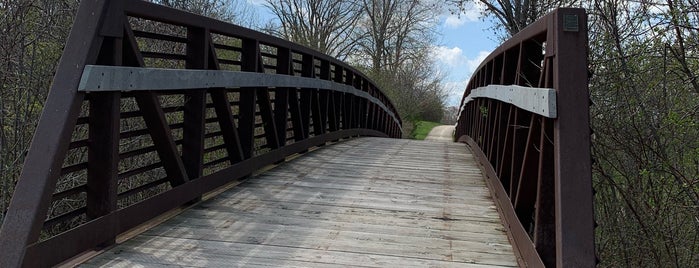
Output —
<point x="175" y="139"/>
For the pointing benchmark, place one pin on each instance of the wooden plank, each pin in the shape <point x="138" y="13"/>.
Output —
<point x="240" y="254"/>
<point x="365" y="202"/>
<point x="376" y="222"/>
<point x="379" y="200"/>
<point x="344" y="241"/>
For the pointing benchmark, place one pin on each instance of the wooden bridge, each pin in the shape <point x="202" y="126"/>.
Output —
<point x="171" y="139"/>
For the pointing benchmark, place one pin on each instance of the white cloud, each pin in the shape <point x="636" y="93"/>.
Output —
<point x="455" y="90"/>
<point x="462" y="68"/>
<point x="454" y="21"/>
<point x="450" y="56"/>
<point x="473" y="63"/>
<point x="257" y="2"/>
<point x="454" y="57"/>
<point x="472" y="12"/>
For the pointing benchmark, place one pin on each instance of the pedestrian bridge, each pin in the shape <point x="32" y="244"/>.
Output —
<point x="171" y="139"/>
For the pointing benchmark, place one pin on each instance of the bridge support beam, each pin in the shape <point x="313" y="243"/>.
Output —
<point x="574" y="211"/>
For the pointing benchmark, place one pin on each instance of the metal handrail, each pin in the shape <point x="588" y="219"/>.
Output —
<point x="105" y="160"/>
<point x="537" y="163"/>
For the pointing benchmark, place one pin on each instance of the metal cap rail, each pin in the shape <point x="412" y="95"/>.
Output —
<point x="525" y="114"/>
<point x="152" y="107"/>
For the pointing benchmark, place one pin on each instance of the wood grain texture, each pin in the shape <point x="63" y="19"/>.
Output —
<point x="366" y="202"/>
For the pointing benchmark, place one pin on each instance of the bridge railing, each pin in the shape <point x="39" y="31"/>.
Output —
<point x="525" y="114"/>
<point x="152" y="107"/>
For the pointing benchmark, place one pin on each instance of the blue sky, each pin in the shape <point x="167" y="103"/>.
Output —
<point x="464" y="41"/>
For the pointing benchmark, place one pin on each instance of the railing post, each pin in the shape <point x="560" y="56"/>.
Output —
<point x="324" y="97"/>
<point x="246" y="120"/>
<point x="103" y="147"/>
<point x="336" y="99"/>
<point x="363" y="107"/>
<point x="281" y="95"/>
<point x="573" y="179"/>
<point x="357" y="108"/>
<point x="347" y="117"/>
<point x="307" y="70"/>
<point x="103" y="158"/>
<point x="195" y="105"/>
<point x="297" y="119"/>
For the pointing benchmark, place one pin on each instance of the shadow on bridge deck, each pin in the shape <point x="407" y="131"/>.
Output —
<point x="364" y="202"/>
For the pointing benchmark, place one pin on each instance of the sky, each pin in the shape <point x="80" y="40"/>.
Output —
<point x="464" y="41"/>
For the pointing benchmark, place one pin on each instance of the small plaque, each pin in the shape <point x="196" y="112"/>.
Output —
<point x="570" y="23"/>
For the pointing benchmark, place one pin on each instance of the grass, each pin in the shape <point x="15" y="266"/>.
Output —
<point x="422" y="128"/>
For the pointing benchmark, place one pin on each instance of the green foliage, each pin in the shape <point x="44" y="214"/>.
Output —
<point x="422" y="128"/>
<point x="646" y="126"/>
<point x="484" y="111"/>
<point x="33" y="34"/>
<point x="415" y="88"/>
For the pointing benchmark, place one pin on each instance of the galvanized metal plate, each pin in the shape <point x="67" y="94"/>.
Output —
<point x="99" y="78"/>
<point x="540" y="101"/>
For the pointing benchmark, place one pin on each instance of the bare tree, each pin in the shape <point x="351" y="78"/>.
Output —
<point x="31" y="37"/>
<point x="395" y="49"/>
<point x="233" y="11"/>
<point x="451" y="115"/>
<point x="325" y="25"/>
<point x="645" y="121"/>
<point x="513" y="15"/>
<point x="395" y="31"/>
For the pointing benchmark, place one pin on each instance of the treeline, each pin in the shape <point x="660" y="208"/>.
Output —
<point x="32" y="35"/>
<point x="390" y="40"/>
<point x="644" y="62"/>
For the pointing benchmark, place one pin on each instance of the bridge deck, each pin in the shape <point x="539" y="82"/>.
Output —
<point x="364" y="202"/>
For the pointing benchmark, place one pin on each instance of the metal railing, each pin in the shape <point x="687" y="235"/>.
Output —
<point x="525" y="114"/>
<point x="152" y="107"/>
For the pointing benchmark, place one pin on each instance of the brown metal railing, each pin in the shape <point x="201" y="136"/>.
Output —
<point x="537" y="157"/>
<point x="104" y="160"/>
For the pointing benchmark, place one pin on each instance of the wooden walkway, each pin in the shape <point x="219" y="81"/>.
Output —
<point x="366" y="202"/>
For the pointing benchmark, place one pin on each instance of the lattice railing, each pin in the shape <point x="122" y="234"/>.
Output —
<point x="525" y="114"/>
<point x="152" y="107"/>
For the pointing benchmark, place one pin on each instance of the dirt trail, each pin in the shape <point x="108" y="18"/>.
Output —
<point x="441" y="133"/>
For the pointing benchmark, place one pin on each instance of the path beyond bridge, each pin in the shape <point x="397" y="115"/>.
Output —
<point x="369" y="202"/>
<point x="441" y="133"/>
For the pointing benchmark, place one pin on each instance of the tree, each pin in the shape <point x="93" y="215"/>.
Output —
<point x="415" y="88"/>
<point x="233" y="11"/>
<point x="395" y="50"/>
<point x="31" y="38"/>
<point x="395" y="31"/>
<point x="512" y="16"/>
<point x="390" y="39"/>
<point x="646" y="123"/>
<point x="325" y="25"/>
